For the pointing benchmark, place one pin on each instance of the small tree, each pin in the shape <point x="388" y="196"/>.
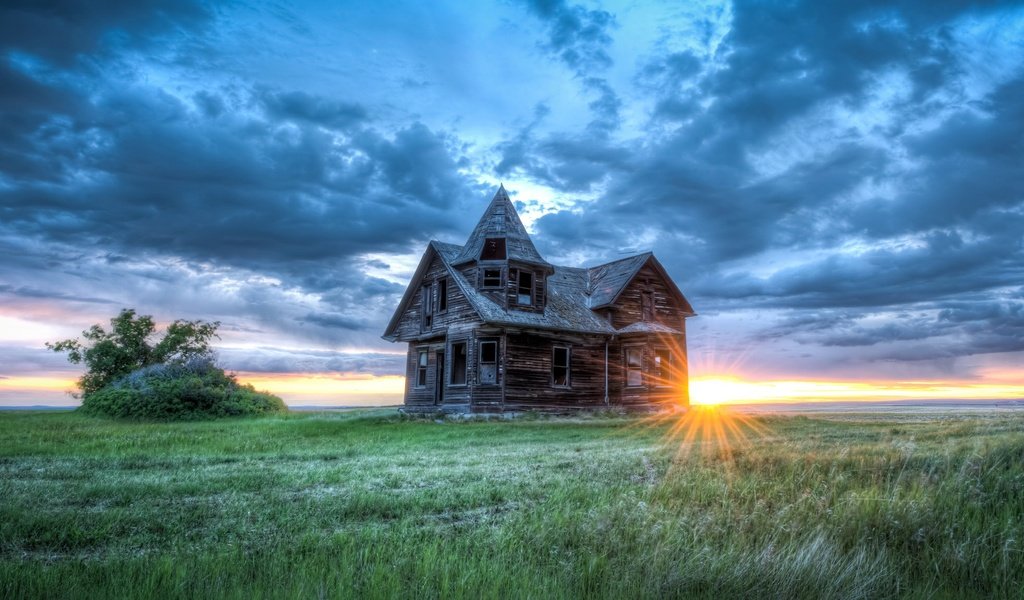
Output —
<point x="127" y="347"/>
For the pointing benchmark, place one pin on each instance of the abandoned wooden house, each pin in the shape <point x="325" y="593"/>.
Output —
<point x="493" y="327"/>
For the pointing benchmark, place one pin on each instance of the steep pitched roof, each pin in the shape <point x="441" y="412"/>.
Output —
<point x="446" y="252"/>
<point x="501" y="220"/>
<point x="608" y="280"/>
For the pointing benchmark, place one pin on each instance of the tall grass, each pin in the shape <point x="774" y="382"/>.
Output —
<point x="372" y="505"/>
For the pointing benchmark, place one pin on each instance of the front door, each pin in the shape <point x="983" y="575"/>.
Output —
<point x="439" y="380"/>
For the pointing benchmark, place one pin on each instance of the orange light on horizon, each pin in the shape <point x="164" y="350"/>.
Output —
<point x="726" y="389"/>
<point x="315" y="384"/>
<point x="38" y="383"/>
<point x="705" y="390"/>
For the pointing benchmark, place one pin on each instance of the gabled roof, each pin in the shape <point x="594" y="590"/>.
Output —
<point x="608" y="280"/>
<point x="501" y="220"/>
<point x="434" y="248"/>
<point x="571" y="294"/>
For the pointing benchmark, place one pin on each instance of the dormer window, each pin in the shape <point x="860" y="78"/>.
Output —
<point x="492" y="278"/>
<point x="525" y="295"/>
<point x="494" y="249"/>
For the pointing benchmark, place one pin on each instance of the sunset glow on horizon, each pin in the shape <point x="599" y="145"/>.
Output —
<point x="333" y="389"/>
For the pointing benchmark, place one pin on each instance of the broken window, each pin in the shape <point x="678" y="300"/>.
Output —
<point x="442" y="295"/>
<point x="647" y="306"/>
<point x="525" y="295"/>
<point x="421" y="369"/>
<point x="492" y="278"/>
<point x="494" y="249"/>
<point x="459" y="363"/>
<point x="560" y="367"/>
<point x="634" y="367"/>
<point x="489" y="362"/>
<point x="662" y="371"/>
<point x="428" y="307"/>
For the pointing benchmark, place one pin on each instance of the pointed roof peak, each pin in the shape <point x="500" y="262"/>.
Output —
<point x="501" y="220"/>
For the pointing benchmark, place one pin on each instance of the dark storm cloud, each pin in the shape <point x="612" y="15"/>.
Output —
<point x="29" y="292"/>
<point x="275" y="192"/>
<point x="956" y="204"/>
<point x="334" y="321"/>
<point x="275" y="360"/>
<point x="300" y="106"/>
<point x="63" y="32"/>
<point x="118" y="174"/>
<point x="850" y="169"/>
<point x="577" y="35"/>
<point x="580" y="38"/>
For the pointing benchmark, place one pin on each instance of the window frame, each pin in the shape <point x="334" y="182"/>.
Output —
<point x="499" y="247"/>
<point x="422" y="363"/>
<point x="568" y="366"/>
<point x="483" y="278"/>
<point x="647" y="310"/>
<point x="639" y="369"/>
<point x="519" y="288"/>
<point x="661" y="371"/>
<point x="442" y="295"/>
<point x="465" y="364"/>
<point x="427" y="306"/>
<point x="481" y="362"/>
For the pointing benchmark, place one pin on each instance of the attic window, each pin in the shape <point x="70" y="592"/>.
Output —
<point x="494" y="249"/>
<point x="647" y="306"/>
<point x="525" y="295"/>
<point x="492" y="278"/>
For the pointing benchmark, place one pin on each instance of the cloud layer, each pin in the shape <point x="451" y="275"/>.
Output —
<point x="836" y="186"/>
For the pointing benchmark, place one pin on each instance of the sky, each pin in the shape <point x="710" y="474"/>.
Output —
<point x="837" y="187"/>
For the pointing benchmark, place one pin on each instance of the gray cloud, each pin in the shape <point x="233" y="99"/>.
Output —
<point x="847" y="170"/>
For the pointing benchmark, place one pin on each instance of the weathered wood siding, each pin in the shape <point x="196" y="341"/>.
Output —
<point x="671" y="388"/>
<point x="512" y="288"/>
<point x="628" y="307"/>
<point x="529" y="371"/>
<point x="459" y="310"/>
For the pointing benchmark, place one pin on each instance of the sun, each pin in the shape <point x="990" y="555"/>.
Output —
<point x="712" y="391"/>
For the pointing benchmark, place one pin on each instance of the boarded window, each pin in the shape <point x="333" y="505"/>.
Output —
<point x="634" y="367"/>
<point x="459" y="363"/>
<point x="442" y="295"/>
<point x="488" y="363"/>
<point x="647" y="306"/>
<point x="662" y="371"/>
<point x="421" y="369"/>
<point x="492" y="278"/>
<point x="525" y="286"/>
<point x="428" y="307"/>
<point x="560" y="367"/>
<point x="494" y="249"/>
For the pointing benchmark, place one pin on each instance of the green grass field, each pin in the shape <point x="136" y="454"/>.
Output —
<point x="368" y="504"/>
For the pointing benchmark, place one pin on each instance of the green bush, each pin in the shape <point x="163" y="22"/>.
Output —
<point x="191" y="390"/>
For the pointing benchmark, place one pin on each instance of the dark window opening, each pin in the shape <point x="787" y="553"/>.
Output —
<point x="459" y="363"/>
<point x="492" y="278"/>
<point x="560" y="367"/>
<point x="494" y="249"/>
<point x="489" y="363"/>
<point x="634" y="367"/>
<point x="428" y="307"/>
<point x="421" y="369"/>
<point x="442" y="295"/>
<point x="647" y="306"/>
<point x="662" y="371"/>
<point x="525" y="295"/>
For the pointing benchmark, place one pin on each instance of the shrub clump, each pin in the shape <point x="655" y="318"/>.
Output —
<point x="188" y="390"/>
